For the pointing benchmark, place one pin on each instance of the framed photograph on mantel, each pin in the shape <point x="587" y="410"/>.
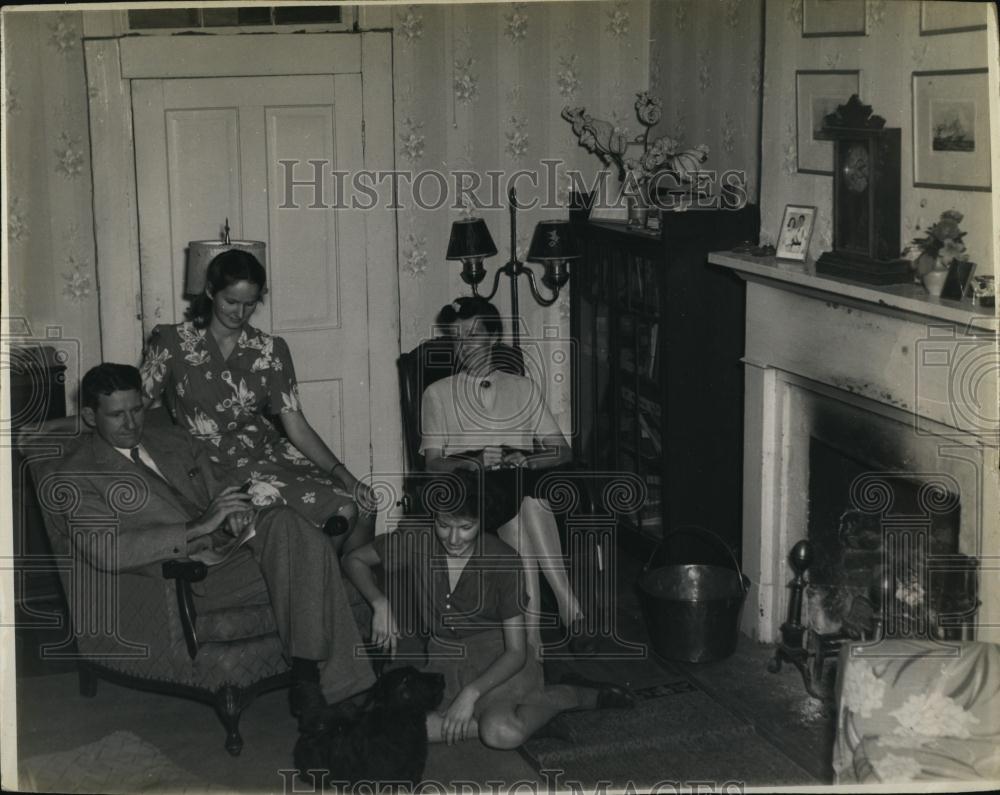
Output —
<point x="834" y="18"/>
<point x="947" y="16"/>
<point x="818" y="93"/>
<point x="796" y="229"/>
<point x="951" y="130"/>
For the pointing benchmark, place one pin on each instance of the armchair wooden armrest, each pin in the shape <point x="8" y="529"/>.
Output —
<point x="183" y="573"/>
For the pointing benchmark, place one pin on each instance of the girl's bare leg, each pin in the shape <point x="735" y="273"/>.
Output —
<point x="538" y="525"/>
<point x="508" y="726"/>
<point x="511" y="535"/>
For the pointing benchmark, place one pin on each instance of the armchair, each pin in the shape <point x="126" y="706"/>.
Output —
<point x="140" y="628"/>
<point x="586" y="541"/>
<point x="918" y="711"/>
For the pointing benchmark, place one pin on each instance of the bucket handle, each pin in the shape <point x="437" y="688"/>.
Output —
<point x="687" y="528"/>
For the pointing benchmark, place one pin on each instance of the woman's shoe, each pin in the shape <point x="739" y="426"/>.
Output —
<point x="609" y="694"/>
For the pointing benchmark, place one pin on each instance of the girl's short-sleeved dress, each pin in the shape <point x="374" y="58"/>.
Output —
<point x="465" y="624"/>
<point x="226" y="403"/>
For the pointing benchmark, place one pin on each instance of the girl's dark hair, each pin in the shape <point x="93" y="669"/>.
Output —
<point x="227" y="268"/>
<point x="454" y="494"/>
<point x="472" y="306"/>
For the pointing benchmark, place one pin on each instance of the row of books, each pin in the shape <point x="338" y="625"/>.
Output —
<point x="637" y="346"/>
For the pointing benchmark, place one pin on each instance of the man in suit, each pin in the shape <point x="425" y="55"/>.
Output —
<point x="191" y="506"/>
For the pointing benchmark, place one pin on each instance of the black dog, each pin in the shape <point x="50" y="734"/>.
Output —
<point x="386" y="740"/>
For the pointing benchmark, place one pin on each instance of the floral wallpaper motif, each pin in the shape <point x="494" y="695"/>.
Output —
<point x="52" y="282"/>
<point x="480" y="87"/>
<point x="619" y="20"/>
<point x="705" y="64"/>
<point x="77" y="285"/>
<point x="69" y="155"/>
<point x="63" y="34"/>
<point x="517" y="23"/>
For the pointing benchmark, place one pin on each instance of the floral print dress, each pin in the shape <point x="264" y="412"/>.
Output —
<point x="226" y="403"/>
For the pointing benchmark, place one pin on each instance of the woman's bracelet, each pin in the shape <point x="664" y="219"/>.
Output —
<point x="333" y="471"/>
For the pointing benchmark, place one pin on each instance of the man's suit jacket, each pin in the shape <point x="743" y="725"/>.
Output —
<point x="147" y="518"/>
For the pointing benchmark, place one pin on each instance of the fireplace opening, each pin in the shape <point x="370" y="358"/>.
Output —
<point x="885" y="549"/>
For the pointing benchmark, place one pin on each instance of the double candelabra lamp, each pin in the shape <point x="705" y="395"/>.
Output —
<point x="552" y="245"/>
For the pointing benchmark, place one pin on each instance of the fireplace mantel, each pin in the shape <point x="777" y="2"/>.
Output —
<point x="891" y="352"/>
<point x="904" y="299"/>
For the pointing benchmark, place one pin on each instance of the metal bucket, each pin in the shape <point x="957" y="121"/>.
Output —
<point x="692" y="611"/>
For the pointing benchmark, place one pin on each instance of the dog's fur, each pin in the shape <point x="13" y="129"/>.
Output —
<point x="384" y="742"/>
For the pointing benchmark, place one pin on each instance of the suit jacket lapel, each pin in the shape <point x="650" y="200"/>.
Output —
<point x="177" y="471"/>
<point x="108" y="456"/>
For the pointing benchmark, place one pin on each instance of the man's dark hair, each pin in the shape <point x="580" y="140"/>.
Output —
<point x="105" y="379"/>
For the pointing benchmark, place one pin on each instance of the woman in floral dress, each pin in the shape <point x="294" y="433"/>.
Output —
<point x="221" y="378"/>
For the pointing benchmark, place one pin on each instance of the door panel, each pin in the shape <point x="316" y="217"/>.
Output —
<point x="209" y="148"/>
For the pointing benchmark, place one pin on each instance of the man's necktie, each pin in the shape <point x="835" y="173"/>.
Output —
<point x="192" y="509"/>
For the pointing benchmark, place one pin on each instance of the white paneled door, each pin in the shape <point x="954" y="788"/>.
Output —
<point x="211" y="148"/>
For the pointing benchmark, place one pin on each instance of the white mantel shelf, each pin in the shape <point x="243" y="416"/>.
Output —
<point x="908" y="299"/>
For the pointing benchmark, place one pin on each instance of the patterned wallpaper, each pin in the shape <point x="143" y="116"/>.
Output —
<point x="478" y="87"/>
<point x="52" y="281"/>
<point x="886" y="56"/>
<point x="705" y="64"/>
<point x="481" y="87"/>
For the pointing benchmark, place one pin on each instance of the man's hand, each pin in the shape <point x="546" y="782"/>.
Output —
<point x="515" y="458"/>
<point x="492" y="457"/>
<point x="236" y="523"/>
<point x="227" y="502"/>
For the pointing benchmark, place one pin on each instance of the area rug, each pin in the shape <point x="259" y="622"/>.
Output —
<point x="119" y="762"/>
<point x="675" y="734"/>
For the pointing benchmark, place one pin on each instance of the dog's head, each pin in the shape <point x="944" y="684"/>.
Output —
<point x="320" y="743"/>
<point x="405" y="689"/>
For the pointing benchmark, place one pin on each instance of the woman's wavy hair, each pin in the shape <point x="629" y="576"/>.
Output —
<point x="472" y="306"/>
<point x="226" y="269"/>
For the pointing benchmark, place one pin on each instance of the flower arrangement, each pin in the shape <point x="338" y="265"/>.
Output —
<point x="612" y="145"/>
<point x="940" y="247"/>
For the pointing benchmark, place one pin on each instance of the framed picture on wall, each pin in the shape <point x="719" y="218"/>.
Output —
<point x="951" y="130"/>
<point x="796" y="229"/>
<point x="945" y="16"/>
<point x="818" y="93"/>
<point x="834" y="18"/>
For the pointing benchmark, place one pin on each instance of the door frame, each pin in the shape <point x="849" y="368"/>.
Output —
<point x="111" y="63"/>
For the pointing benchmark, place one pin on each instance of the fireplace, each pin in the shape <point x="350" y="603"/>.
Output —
<point x="864" y="435"/>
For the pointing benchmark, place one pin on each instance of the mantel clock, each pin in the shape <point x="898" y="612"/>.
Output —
<point x="866" y="170"/>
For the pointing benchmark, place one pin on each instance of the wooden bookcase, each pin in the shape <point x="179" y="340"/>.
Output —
<point x="658" y="380"/>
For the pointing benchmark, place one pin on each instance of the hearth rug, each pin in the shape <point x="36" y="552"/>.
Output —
<point x="676" y="735"/>
<point x="120" y="762"/>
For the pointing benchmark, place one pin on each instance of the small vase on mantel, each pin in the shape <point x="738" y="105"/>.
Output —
<point x="934" y="281"/>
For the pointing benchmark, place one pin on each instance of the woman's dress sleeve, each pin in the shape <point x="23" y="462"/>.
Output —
<point x="283" y="389"/>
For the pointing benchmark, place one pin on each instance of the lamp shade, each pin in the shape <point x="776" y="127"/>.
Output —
<point x="201" y="252"/>
<point x="552" y="240"/>
<point x="470" y="239"/>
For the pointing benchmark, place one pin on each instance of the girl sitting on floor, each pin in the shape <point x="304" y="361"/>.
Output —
<point x="470" y="595"/>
